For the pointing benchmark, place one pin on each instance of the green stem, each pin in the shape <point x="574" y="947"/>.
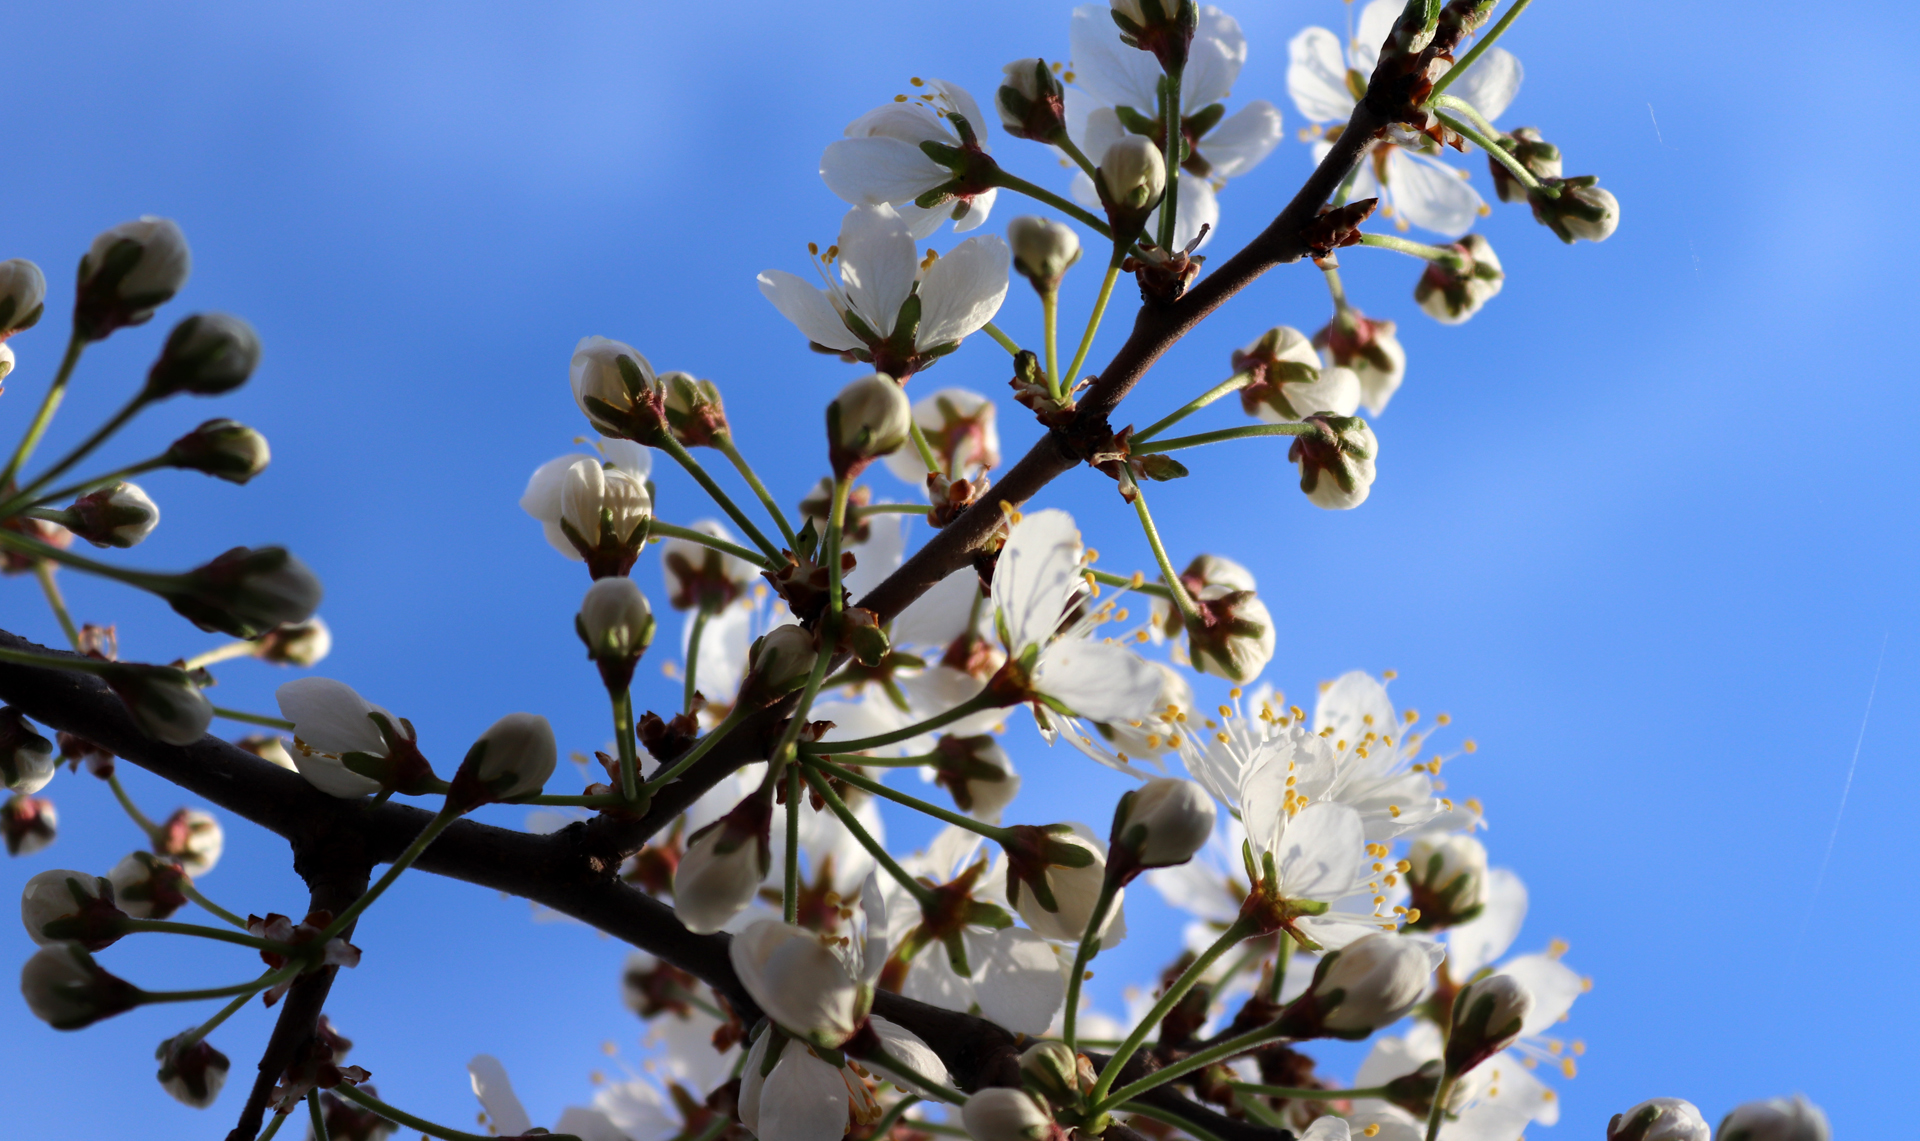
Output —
<point x="656" y="527"/>
<point x="623" y="737"/>
<point x="74" y="490"/>
<point x="1142" y="587"/>
<point x="974" y="704"/>
<point x="401" y="1117"/>
<point x="1098" y="1098"/>
<point x="219" y="934"/>
<point x="1244" y="432"/>
<point x="997" y="835"/>
<point x="1234" y="383"/>
<point x="698" y="1003"/>
<point x="836" y="532"/>
<point x="724" y="442"/>
<point x="1297" y="1093"/>
<point x="133" y="810"/>
<point x="1079" y="157"/>
<point x="685" y="459"/>
<point x="253" y="718"/>
<point x="1001" y="339"/>
<point x="220" y="654"/>
<point x="892" y="1117"/>
<point x="273" y="1127"/>
<point x="86" y="447"/>
<point x="1200" y="1061"/>
<point x="315" y="1118"/>
<point x="1175" y="588"/>
<point x="920" y="445"/>
<point x="1089" y="947"/>
<point x="1171" y="146"/>
<point x="1336" y="288"/>
<point x="790" y="881"/>
<point x="1021" y="186"/>
<point x="1466" y="61"/>
<point x="49" y="662"/>
<point x="405" y="860"/>
<point x="915" y="761"/>
<point x="700" y="617"/>
<point x="699" y="750"/>
<point x="1050" y="320"/>
<point x="139" y="579"/>
<point x="210" y="1025"/>
<point x="1093" y="322"/>
<point x="43" y="570"/>
<point x="888" y="509"/>
<point x="1439" y="1111"/>
<point x="1481" y="134"/>
<point x="1449" y="258"/>
<point x="1178" y="1122"/>
<point x="49" y="404"/>
<point x="879" y="851"/>
<point x="1283" y="954"/>
<point x="247" y="988"/>
<point x="193" y="893"/>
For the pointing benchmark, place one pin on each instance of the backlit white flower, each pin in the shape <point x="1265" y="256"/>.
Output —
<point x="543" y="498"/>
<point x="800" y="1097"/>
<point x="959" y="426"/>
<point x="815" y="988"/>
<point x="508" y="1118"/>
<point x="881" y="160"/>
<point x="890" y="306"/>
<point x="1414" y="186"/>
<point x="330" y="720"/>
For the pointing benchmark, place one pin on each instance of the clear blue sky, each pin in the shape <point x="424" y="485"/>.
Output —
<point x="1643" y="526"/>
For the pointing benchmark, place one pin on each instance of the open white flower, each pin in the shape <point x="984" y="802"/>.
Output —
<point x="508" y="1118"/>
<point x="881" y="160"/>
<point x="800" y="1097"/>
<point x="889" y="306"/>
<point x="1413" y="185"/>
<point x="1115" y="93"/>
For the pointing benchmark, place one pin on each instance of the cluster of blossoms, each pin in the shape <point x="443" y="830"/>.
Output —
<point x="1336" y="891"/>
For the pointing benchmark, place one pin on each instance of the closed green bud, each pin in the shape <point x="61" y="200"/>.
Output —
<point x="206" y="354"/>
<point x="224" y="449"/>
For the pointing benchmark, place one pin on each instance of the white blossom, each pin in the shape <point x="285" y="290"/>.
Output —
<point x="881" y="160"/>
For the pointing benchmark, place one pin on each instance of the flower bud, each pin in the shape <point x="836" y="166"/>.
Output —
<point x="1336" y="461"/>
<point x="617" y="390"/>
<point x="798" y="980"/>
<point x="978" y="773"/>
<point x="1540" y="157"/>
<point x="1133" y="177"/>
<point x="300" y="644"/>
<point x="1371" y="982"/>
<point x="146" y="886"/>
<point x="778" y="663"/>
<point x="206" y="354"/>
<point x="225" y="449"/>
<point x="1070" y="892"/>
<point x="1043" y="250"/>
<point x="694" y="410"/>
<point x="1163" y="27"/>
<point x="332" y="723"/>
<point x="1659" y="1119"/>
<point x="1000" y="1113"/>
<point x="1031" y="101"/>
<point x="1488" y="1014"/>
<point x="723" y="867"/>
<point x="1451" y="294"/>
<point x="617" y="625"/>
<point x="67" y="990"/>
<point x="26" y="758"/>
<point x="871" y="417"/>
<point x="23" y="296"/>
<point x="1582" y="212"/>
<point x="1288" y="383"/>
<point x="129" y="271"/>
<point x="164" y="702"/>
<point x="1052" y="1070"/>
<point x="193" y="1072"/>
<point x="514" y="757"/>
<point x="6" y="359"/>
<point x="1368" y="347"/>
<point x="1776" y="1119"/>
<point x="246" y="592"/>
<point x="604" y="513"/>
<point x="117" y="515"/>
<point x="1448" y="880"/>
<point x="76" y="906"/>
<point x="1233" y="637"/>
<point x="699" y="576"/>
<point x="193" y="838"/>
<point x="28" y="823"/>
<point x="76" y="750"/>
<point x="1160" y="824"/>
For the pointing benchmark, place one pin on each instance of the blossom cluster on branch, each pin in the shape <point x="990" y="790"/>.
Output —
<point x="805" y="980"/>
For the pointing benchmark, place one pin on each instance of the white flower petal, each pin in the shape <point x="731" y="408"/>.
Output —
<point x="917" y="1055"/>
<point x="1037" y="576"/>
<point x="496" y="1095"/>
<point x="803" y="1099"/>
<point x="1328" y="1129"/>
<point x="963" y="290"/>
<point x="879" y="556"/>
<point x="1491" y="83"/>
<point x="1317" y="76"/>
<point x="1354" y="705"/>
<point x="940" y="615"/>
<point x="1376" y="24"/>
<point x="1219" y="51"/>
<point x="329" y="716"/>
<point x="1017" y="979"/>
<point x="1430" y="194"/>
<point x="1238" y="143"/>
<point x="872" y="170"/>
<point x="633" y="458"/>
<point x="1320" y="852"/>
<point x="590" y="1125"/>
<point x="1107" y="69"/>
<point x="877" y="263"/>
<point x="1516" y="1090"/>
<point x="1554" y="985"/>
<point x="1486" y="937"/>
<point x="806" y="306"/>
<point x="1102" y="681"/>
<point x="1198" y="207"/>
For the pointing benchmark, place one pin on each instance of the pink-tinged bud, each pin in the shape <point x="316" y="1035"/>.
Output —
<point x="29" y="824"/>
<point x="118" y="515"/>
<point x="207" y="354"/>
<point x="23" y="296"/>
<point x="26" y="758"/>
<point x="514" y="757"/>
<point x="300" y="644"/>
<point x="61" y="905"/>
<point x="1371" y="982"/>
<point x="129" y="271"/>
<point x="193" y="838"/>
<point x="723" y="867"/>
<point x="1368" y="347"/>
<point x="192" y="1072"/>
<point x="999" y="1113"/>
<point x="1488" y="1014"/>
<point x="1659" y="1119"/>
<point x="1336" y="461"/>
<point x="164" y="702"/>
<point x="695" y="412"/>
<point x="1160" y="824"/>
<point x="224" y="449"/>
<point x="245" y="592"/>
<point x="146" y="886"/>
<point x="76" y="750"/>
<point x="1776" y="1119"/>
<point x="1031" y="101"/>
<point x="800" y="982"/>
<point x="1452" y="293"/>
<point x="617" y="390"/>
<point x="67" y="990"/>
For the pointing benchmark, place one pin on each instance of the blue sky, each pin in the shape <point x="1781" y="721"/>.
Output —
<point x="1643" y="526"/>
